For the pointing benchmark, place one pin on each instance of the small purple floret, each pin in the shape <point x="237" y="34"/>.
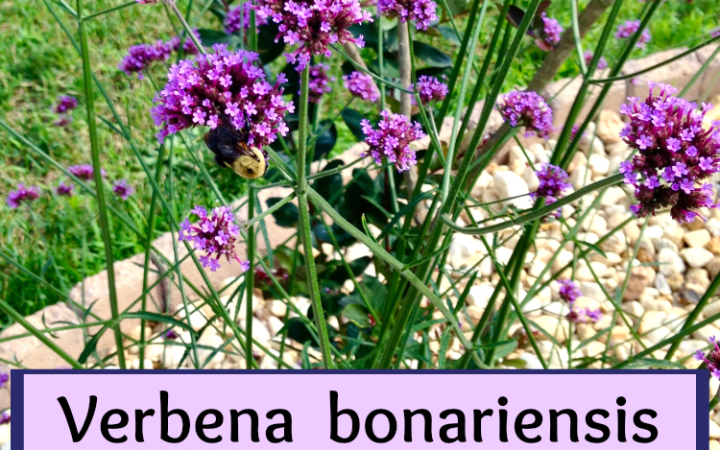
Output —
<point x="631" y="27"/>
<point x="423" y="12"/>
<point x="362" y="86"/>
<point x="22" y="195"/>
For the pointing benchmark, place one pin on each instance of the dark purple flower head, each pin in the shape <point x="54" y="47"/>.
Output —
<point x="527" y="109"/>
<point x="675" y="154"/>
<point x="712" y="359"/>
<point x="423" y="12"/>
<point x="215" y="234"/>
<point x="569" y="291"/>
<point x="362" y="86"/>
<point x="4" y="418"/>
<point x="65" y="104"/>
<point x="602" y="63"/>
<point x="392" y="140"/>
<point x="715" y="33"/>
<point x="222" y="86"/>
<point x="4" y="378"/>
<point x="239" y="17"/>
<point x="313" y="25"/>
<point x="582" y="315"/>
<point x="171" y="335"/>
<point x="22" y="195"/>
<point x="552" y="31"/>
<point x="430" y="89"/>
<point x="147" y="2"/>
<point x="63" y="120"/>
<point x="122" y="189"/>
<point x="140" y="57"/>
<point x="84" y="171"/>
<point x="553" y="181"/>
<point x="631" y="27"/>
<point x="319" y="83"/>
<point x="188" y="46"/>
<point x="65" y="189"/>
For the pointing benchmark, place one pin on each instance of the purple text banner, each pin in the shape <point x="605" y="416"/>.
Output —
<point x="360" y="410"/>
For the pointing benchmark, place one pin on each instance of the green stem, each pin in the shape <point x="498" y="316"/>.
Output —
<point x="100" y="192"/>
<point x="185" y="25"/>
<point x="109" y="10"/>
<point x="305" y="236"/>
<point x="249" y="280"/>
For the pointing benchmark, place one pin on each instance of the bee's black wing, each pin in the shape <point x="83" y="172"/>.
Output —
<point x="515" y="15"/>
<point x="226" y="144"/>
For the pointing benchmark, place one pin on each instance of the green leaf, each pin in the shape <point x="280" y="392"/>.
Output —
<point x="357" y="314"/>
<point x="431" y="56"/>
<point x="592" y="246"/>
<point x="449" y="34"/>
<point x="211" y="37"/>
<point x="515" y="363"/>
<point x="268" y="49"/>
<point x="326" y="141"/>
<point x="328" y="186"/>
<point x="288" y="216"/>
<point x="649" y="363"/>
<point x="375" y="292"/>
<point x="352" y="119"/>
<point x="154" y="317"/>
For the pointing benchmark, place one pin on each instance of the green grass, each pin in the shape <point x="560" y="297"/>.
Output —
<point x="59" y="239"/>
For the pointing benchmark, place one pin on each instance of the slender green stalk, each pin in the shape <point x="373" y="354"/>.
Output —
<point x="108" y="10"/>
<point x="249" y="279"/>
<point x="99" y="188"/>
<point x="305" y="236"/>
<point x="576" y="36"/>
<point x="185" y="25"/>
<point x="148" y="247"/>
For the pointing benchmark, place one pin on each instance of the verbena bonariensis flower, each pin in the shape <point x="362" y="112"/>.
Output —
<point x="84" y="171"/>
<point x="582" y="315"/>
<point x="65" y="104"/>
<point x="4" y="378"/>
<point x="22" y="195"/>
<point x="674" y="154"/>
<point x="239" y="17"/>
<point x="712" y="359"/>
<point x="319" y="82"/>
<point x="569" y="291"/>
<point x="122" y="189"/>
<point x="553" y="181"/>
<point x="188" y="46"/>
<point x="215" y="234"/>
<point x="423" y="12"/>
<point x="147" y="2"/>
<point x="527" y="109"/>
<point x="551" y="32"/>
<point x="65" y="189"/>
<point x="392" y="140"/>
<point x="222" y="86"/>
<point x="171" y="335"/>
<point x="140" y="57"/>
<point x="602" y="63"/>
<point x="4" y="418"/>
<point x="313" y="25"/>
<point x="430" y="89"/>
<point x="362" y="86"/>
<point x="715" y="33"/>
<point x="629" y="28"/>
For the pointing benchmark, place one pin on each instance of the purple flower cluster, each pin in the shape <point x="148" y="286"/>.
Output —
<point x="4" y="379"/>
<point x="362" y="86"/>
<point x="715" y="33"/>
<point x="171" y="335"/>
<point x="140" y="57"/>
<point x="22" y="195"/>
<point x="122" y="189"/>
<point x="313" y="25"/>
<point x="65" y="190"/>
<point x="631" y="27"/>
<point x="423" y="12"/>
<point x="712" y="359"/>
<point x="675" y="154"/>
<point x="65" y="104"/>
<point x="4" y="418"/>
<point x="222" y="86"/>
<point x="430" y="89"/>
<point x="239" y="17"/>
<point x="84" y="171"/>
<point x="147" y="2"/>
<point x="214" y="234"/>
<point x="392" y="139"/>
<point x="527" y="109"/>
<point x="553" y="181"/>
<point x="319" y="83"/>
<point x="551" y="33"/>
<point x="570" y="292"/>
<point x="602" y="63"/>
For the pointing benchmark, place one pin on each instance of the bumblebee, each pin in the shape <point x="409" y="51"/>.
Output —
<point x="232" y="151"/>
